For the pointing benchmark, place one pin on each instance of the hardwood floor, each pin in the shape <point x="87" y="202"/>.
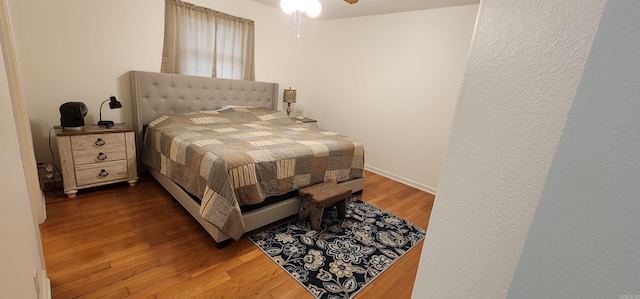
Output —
<point x="119" y="241"/>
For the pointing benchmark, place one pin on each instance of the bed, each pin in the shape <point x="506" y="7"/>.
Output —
<point x="198" y="102"/>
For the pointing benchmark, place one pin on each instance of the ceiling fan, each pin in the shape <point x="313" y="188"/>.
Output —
<point x="351" y="1"/>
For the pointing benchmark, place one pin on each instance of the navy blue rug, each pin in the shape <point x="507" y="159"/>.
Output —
<point x="346" y="254"/>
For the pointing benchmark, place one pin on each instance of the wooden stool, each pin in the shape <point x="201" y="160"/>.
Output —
<point x="317" y="197"/>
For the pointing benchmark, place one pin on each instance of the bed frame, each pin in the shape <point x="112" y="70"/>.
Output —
<point x="157" y="94"/>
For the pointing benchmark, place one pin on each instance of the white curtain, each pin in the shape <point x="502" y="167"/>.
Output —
<point x="203" y="42"/>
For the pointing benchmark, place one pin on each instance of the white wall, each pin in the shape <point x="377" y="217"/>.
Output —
<point x="19" y="255"/>
<point x="80" y="50"/>
<point x="525" y="65"/>
<point x="392" y="82"/>
<point x="585" y="235"/>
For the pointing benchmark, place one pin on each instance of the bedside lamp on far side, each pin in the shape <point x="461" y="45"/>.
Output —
<point x="289" y="96"/>
<point x="113" y="104"/>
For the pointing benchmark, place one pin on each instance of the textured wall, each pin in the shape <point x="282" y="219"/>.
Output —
<point x="584" y="239"/>
<point x="525" y="64"/>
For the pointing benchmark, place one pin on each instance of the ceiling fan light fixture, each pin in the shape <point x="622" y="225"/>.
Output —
<point x="313" y="8"/>
<point x="351" y="1"/>
<point x="303" y="4"/>
<point x="288" y="6"/>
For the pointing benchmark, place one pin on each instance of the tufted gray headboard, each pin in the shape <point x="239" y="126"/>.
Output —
<point x="157" y="94"/>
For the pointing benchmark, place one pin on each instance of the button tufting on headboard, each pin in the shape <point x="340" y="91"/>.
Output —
<point x="157" y="94"/>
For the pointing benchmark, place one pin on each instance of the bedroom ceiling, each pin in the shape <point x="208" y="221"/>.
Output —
<point x="336" y="9"/>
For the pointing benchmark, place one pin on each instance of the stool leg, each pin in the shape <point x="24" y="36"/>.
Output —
<point x="304" y="213"/>
<point x="342" y="209"/>
<point x="315" y="217"/>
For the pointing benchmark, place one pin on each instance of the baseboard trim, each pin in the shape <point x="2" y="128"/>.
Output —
<point x="43" y="200"/>
<point x="401" y="179"/>
<point x="46" y="292"/>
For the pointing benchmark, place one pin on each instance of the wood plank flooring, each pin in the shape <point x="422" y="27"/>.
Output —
<point x="119" y="241"/>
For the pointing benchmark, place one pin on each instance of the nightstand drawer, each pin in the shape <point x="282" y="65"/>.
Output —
<point x="101" y="155"/>
<point x="97" y="173"/>
<point x="92" y="156"/>
<point x="97" y="141"/>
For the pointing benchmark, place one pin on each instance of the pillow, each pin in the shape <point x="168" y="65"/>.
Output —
<point x="258" y="114"/>
<point x="234" y="106"/>
<point x="237" y="114"/>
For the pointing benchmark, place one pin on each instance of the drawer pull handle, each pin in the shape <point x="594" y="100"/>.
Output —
<point x="100" y="142"/>
<point x="101" y="156"/>
<point x="103" y="173"/>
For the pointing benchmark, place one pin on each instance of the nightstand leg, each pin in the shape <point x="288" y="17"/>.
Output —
<point x="132" y="182"/>
<point x="71" y="193"/>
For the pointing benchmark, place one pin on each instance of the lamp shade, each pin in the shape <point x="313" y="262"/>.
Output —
<point x="289" y="95"/>
<point x="114" y="103"/>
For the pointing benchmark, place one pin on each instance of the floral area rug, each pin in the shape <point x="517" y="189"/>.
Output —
<point x="346" y="254"/>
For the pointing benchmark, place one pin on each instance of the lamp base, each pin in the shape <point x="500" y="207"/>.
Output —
<point x="105" y="123"/>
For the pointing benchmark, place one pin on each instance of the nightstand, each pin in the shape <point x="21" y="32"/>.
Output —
<point x="93" y="156"/>
<point x="306" y="121"/>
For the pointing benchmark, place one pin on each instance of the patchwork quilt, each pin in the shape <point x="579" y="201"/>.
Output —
<point x="240" y="156"/>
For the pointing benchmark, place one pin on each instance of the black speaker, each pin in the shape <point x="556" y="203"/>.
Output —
<point x="72" y="114"/>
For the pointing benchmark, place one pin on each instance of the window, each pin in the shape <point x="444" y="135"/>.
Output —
<point x="203" y="42"/>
